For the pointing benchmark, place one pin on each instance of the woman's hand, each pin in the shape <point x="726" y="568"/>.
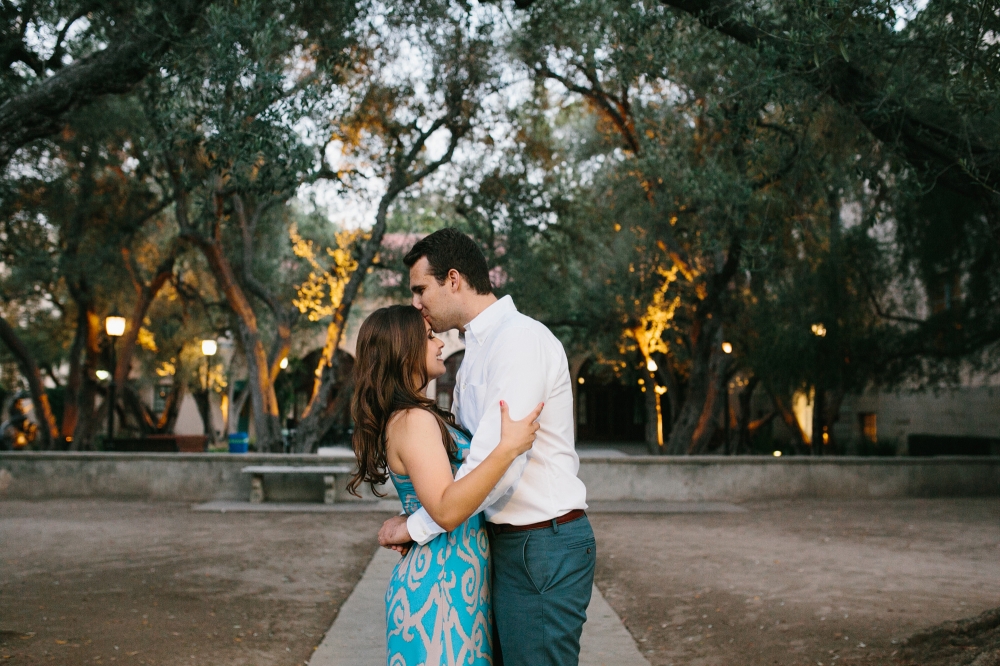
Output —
<point x="516" y="437"/>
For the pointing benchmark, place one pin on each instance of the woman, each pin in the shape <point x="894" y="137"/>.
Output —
<point x="438" y="608"/>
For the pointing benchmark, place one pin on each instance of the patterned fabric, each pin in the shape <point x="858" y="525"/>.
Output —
<point x="437" y="607"/>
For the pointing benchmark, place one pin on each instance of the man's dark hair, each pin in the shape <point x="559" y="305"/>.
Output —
<point x="447" y="249"/>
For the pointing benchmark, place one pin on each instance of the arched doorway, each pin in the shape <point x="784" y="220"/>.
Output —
<point x="608" y="410"/>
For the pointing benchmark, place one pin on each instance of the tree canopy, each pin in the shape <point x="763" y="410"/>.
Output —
<point x="710" y="198"/>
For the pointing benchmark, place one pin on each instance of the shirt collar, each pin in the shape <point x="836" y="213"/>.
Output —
<point x="486" y="322"/>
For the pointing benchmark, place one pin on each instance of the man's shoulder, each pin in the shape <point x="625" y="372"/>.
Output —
<point x="519" y="326"/>
<point x="520" y="334"/>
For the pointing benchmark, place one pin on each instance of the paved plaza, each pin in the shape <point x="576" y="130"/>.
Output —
<point x="806" y="582"/>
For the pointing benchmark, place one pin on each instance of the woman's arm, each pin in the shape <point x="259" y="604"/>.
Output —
<point x="415" y="438"/>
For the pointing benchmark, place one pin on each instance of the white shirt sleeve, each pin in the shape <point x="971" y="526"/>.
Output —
<point x="517" y="373"/>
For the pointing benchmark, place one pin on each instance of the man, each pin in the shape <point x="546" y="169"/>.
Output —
<point x="541" y="541"/>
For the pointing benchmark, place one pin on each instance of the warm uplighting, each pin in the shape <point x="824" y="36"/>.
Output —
<point x="209" y="347"/>
<point x="114" y="324"/>
<point x="102" y="374"/>
<point x="819" y="330"/>
<point x="580" y="380"/>
<point x="727" y="347"/>
<point x="777" y="454"/>
<point x="651" y="365"/>
<point x="284" y="363"/>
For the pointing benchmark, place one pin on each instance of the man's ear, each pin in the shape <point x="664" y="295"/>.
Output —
<point x="454" y="279"/>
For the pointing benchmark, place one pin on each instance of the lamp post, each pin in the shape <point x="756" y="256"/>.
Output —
<point x="208" y="349"/>
<point x="114" y="326"/>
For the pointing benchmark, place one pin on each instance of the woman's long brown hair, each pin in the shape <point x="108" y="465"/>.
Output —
<point x="390" y="372"/>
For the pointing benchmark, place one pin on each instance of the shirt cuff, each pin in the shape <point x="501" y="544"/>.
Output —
<point x="422" y="528"/>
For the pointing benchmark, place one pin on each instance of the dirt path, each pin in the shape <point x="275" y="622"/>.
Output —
<point x="798" y="583"/>
<point x="132" y="583"/>
<point x="785" y="583"/>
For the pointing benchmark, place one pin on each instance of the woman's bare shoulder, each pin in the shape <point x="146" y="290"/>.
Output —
<point x="406" y="420"/>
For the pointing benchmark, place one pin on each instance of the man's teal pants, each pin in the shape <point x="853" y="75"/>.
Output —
<point x="542" y="582"/>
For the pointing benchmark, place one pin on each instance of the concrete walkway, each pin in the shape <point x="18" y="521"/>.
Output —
<point x="357" y="637"/>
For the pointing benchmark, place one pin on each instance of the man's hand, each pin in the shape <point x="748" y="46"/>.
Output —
<point x="395" y="536"/>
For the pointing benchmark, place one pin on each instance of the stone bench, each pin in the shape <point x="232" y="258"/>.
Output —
<point x="334" y="490"/>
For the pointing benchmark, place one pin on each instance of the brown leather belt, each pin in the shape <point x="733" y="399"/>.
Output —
<point x="503" y="528"/>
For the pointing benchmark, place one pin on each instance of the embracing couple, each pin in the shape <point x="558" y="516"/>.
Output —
<point x="498" y="555"/>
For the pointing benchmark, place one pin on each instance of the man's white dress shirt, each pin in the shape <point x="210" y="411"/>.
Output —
<point x="512" y="357"/>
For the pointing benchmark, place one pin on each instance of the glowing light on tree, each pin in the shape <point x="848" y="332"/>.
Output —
<point x="320" y="295"/>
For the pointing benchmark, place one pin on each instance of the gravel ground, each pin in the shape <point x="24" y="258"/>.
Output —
<point x="132" y="583"/>
<point x="804" y="582"/>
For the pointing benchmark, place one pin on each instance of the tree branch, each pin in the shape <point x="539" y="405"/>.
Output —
<point x="42" y="109"/>
<point x="599" y="97"/>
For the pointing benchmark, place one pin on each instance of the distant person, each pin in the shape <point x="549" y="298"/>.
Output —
<point x="541" y="543"/>
<point x="438" y="608"/>
<point x="18" y="431"/>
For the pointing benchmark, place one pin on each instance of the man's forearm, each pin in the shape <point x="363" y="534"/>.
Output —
<point x="504" y="486"/>
<point x="422" y="527"/>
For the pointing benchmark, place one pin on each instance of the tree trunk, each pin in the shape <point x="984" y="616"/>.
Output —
<point x="203" y="400"/>
<point x="90" y="420"/>
<point x="48" y="431"/>
<point x="136" y="408"/>
<point x="834" y="401"/>
<point x="697" y="423"/>
<point x="74" y="384"/>
<point x="694" y="422"/>
<point x="788" y="416"/>
<point x="818" y="421"/>
<point x="653" y="422"/>
<point x="666" y="373"/>
<point x="314" y="424"/>
<point x="284" y="315"/>
<point x="168" y="419"/>
<point x="706" y="433"/>
<point x="145" y="295"/>
<point x="236" y="405"/>
<point x="88" y="423"/>
<point x="263" y="400"/>
<point x="826" y="412"/>
<point x="744" y="416"/>
<point x="335" y="409"/>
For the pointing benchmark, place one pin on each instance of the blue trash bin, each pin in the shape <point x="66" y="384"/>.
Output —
<point x="239" y="442"/>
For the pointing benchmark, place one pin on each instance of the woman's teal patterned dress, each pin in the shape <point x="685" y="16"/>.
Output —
<point x="438" y="609"/>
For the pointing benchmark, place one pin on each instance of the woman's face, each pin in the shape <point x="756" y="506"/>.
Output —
<point x="435" y="366"/>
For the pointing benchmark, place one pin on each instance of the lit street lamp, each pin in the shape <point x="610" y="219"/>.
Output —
<point x="114" y="326"/>
<point x="208" y="348"/>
